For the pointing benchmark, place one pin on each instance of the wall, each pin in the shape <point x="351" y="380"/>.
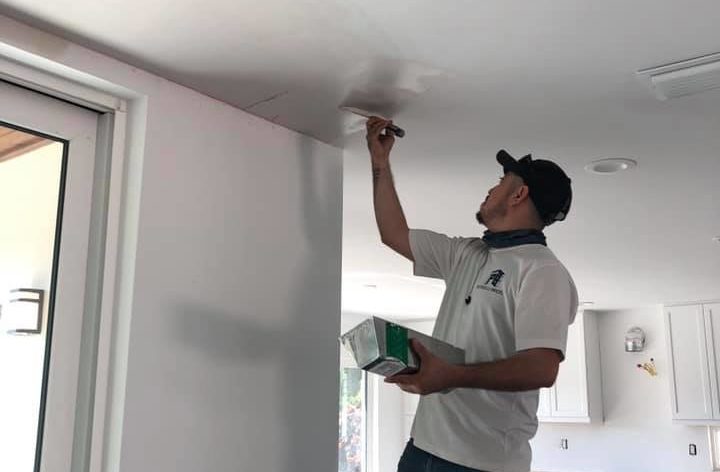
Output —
<point x="233" y="360"/>
<point x="233" y="354"/>
<point x="638" y="434"/>
<point x="390" y="437"/>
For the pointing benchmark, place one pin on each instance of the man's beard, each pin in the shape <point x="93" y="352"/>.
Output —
<point x="490" y="214"/>
<point x="479" y="217"/>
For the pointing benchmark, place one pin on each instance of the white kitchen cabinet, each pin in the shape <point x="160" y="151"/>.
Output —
<point x="712" y="316"/>
<point x="693" y="334"/>
<point x="576" y="396"/>
<point x="544" y="409"/>
<point x="688" y="354"/>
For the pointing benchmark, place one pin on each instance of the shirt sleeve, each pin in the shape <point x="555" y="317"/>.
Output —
<point x="435" y="254"/>
<point x="546" y="306"/>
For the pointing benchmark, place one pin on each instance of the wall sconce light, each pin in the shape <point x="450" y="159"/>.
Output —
<point x="634" y="340"/>
<point x="34" y="296"/>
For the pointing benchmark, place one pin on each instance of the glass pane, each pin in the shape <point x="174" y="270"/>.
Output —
<point x="351" y="444"/>
<point x="30" y="175"/>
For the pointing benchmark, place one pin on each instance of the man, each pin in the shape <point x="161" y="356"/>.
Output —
<point x="508" y="303"/>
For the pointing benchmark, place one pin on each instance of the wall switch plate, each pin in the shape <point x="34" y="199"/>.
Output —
<point x="692" y="450"/>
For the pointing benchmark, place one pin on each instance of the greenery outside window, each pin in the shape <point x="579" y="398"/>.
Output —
<point x="352" y="450"/>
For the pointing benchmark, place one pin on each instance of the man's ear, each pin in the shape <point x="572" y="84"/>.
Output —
<point x="522" y="193"/>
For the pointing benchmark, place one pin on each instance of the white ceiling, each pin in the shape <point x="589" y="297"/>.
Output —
<point x="465" y="78"/>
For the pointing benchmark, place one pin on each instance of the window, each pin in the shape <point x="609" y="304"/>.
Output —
<point x="352" y="424"/>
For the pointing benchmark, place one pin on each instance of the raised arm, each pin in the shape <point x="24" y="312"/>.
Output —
<point x="389" y="216"/>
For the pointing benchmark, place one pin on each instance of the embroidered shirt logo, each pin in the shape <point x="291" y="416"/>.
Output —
<point x="493" y="281"/>
<point x="495" y="277"/>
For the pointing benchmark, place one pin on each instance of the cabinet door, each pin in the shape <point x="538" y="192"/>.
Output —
<point x="690" y="380"/>
<point x="544" y="404"/>
<point x="712" y="334"/>
<point x="569" y="399"/>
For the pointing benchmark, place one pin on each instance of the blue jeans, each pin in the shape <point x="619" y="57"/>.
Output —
<point x="417" y="460"/>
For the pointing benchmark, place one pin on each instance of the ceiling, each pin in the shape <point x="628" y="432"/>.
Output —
<point x="465" y="78"/>
<point x="14" y="143"/>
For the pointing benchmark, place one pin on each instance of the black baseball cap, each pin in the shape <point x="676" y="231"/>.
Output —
<point x="549" y="186"/>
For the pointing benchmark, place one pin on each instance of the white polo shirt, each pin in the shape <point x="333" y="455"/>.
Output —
<point x="522" y="297"/>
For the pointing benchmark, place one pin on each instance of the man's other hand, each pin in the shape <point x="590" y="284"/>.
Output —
<point x="435" y="375"/>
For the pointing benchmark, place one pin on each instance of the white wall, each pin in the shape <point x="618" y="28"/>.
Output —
<point x="389" y="440"/>
<point x="233" y="361"/>
<point x="638" y="434"/>
<point x="233" y="355"/>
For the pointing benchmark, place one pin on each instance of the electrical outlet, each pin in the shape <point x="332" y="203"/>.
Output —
<point x="564" y="443"/>
<point x="692" y="450"/>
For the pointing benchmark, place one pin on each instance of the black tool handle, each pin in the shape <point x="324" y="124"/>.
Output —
<point x="396" y="130"/>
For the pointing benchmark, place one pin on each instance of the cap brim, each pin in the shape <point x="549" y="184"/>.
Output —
<point x="509" y="163"/>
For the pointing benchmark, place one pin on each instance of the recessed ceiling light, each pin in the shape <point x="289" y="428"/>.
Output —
<point x="610" y="166"/>
<point x="369" y="285"/>
<point x="587" y="303"/>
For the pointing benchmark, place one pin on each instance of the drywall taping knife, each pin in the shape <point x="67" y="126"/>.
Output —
<point x="396" y="130"/>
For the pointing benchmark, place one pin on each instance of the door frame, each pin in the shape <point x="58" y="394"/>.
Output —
<point x="111" y="260"/>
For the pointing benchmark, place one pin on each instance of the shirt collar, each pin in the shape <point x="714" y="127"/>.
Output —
<point x="503" y="239"/>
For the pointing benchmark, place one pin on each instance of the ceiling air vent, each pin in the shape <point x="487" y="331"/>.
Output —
<point x="684" y="78"/>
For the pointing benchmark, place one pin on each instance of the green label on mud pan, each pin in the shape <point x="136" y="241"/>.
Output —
<point x="396" y="338"/>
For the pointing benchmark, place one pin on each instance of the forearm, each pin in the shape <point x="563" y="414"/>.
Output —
<point x="515" y="374"/>
<point x="388" y="211"/>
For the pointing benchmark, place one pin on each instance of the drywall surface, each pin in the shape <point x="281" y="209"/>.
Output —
<point x="234" y="342"/>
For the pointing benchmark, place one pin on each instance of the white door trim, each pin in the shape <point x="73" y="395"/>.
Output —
<point x="123" y="130"/>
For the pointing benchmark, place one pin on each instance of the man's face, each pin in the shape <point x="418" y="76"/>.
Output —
<point x="497" y="201"/>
